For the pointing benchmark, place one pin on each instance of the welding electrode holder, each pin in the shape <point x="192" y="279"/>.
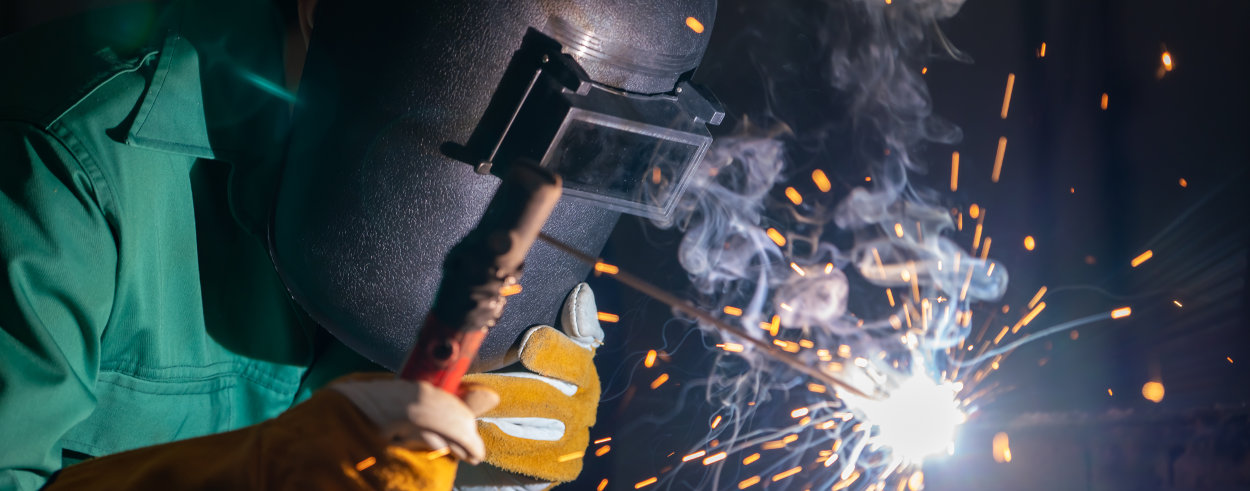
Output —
<point x="475" y="272"/>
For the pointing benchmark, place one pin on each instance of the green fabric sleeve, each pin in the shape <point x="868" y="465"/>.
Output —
<point x="58" y="263"/>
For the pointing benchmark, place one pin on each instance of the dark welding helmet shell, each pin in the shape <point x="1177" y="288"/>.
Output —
<point x="370" y="199"/>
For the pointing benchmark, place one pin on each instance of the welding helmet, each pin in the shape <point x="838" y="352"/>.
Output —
<point x="406" y="109"/>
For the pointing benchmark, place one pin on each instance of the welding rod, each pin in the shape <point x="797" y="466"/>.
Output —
<point x="470" y="297"/>
<point x="685" y="306"/>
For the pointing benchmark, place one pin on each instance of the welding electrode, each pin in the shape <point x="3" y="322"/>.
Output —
<point x="470" y="298"/>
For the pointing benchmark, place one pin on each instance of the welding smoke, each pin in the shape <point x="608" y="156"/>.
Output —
<point x="903" y="236"/>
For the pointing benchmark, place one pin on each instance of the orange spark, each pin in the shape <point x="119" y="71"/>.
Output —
<point x="998" y="158"/>
<point x="776" y="236"/>
<point x="603" y="450"/>
<point x="1029" y="242"/>
<point x="1121" y="312"/>
<point x="694" y="25"/>
<point x="731" y="347"/>
<point x="799" y="413"/>
<point x="1103" y="103"/>
<point x="1002" y="448"/>
<point x="716" y="422"/>
<point x="656" y="175"/>
<point x="1167" y="60"/>
<point x="787" y="473"/>
<point x="1183" y="183"/>
<point x="750" y="458"/>
<point x="602" y="267"/>
<point x="898" y="229"/>
<point x="605" y="439"/>
<point x="794" y="196"/>
<point x="734" y="311"/>
<point x="1041" y="52"/>
<point x="714" y="458"/>
<point x="821" y="180"/>
<point x="365" y="464"/>
<point x="509" y="290"/>
<point x="974" y="211"/>
<point x="650" y="360"/>
<point x="889" y="295"/>
<point x="693" y="456"/>
<point x="1143" y="257"/>
<point x="954" y="171"/>
<point x="647" y="482"/>
<point x="1037" y="296"/>
<point x="1011" y="82"/>
<point x="817" y="388"/>
<point x="602" y="485"/>
<point x="748" y="482"/>
<point x="797" y="269"/>
<point x="1152" y="391"/>
<point x="655" y="384"/>
<point x="606" y="317"/>
<point x="434" y="454"/>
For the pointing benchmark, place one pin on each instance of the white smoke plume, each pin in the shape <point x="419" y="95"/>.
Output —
<point x="793" y="285"/>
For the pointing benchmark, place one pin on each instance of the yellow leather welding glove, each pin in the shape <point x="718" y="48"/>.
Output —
<point x="542" y="423"/>
<point x="364" y="432"/>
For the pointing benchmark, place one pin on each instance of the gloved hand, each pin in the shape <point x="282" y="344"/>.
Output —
<point x="544" y="416"/>
<point x="420" y="416"/>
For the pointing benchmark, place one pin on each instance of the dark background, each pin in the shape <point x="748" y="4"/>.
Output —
<point x="1125" y="164"/>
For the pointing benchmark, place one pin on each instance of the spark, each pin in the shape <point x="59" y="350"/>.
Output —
<point x="1074" y="335"/>
<point x="716" y="421"/>
<point x="1143" y="257"/>
<point x="1103" y="103"/>
<point x="656" y="175"/>
<point x="1152" y="391"/>
<point x="1029" y="242"/>
<point x="714" y="458"/>
<point x="1041" y="52"/>
<point x="734" y="311"/>
<point x="1002" y="448"/>
<point x="1121" y="312"/>
<point x="694" y="25"/>
<point x="1167" y="60"/>
<point x="776" y="236"/>
<point x="365" y="464"/>
<point x="817" y="388"/>
<point x="799" y="413"/>
<point x="655" y="384"/>
<point x="510" y="290"/>
<point x="605" y="268"/>
<point x="916" y="481"/>
<point x="954" y="171"/>
<point x="606" y="317"/>
<point x="828" y="268"/>
<point x="998" y="158"/>
<point x="646" y="482"/>
<point x="605" y="439"/>
<point x="1183" y="183"/>
<point x="1040" y="292"/>
<point x="603" y="450"/>
<point x="1000" y="335"/>
<point x="731" y="347"/>
<point x="1178" y="303"/>
<point x="650" y="359"/>
<point x="974" y="211"/>
<point x="794" y="196"/>
<point x="924" y="70"/>
<point x="602" y="485"/>
<point x="748" y="482"/>
<point x="798" y="269"/>
<point x="821" y="180"/>
<point x="751" y="458"/>
<point x="693" y="456"/>
<point x="976" y="237"/>
<point x="787" y="473"/>
<point x="898" y="229"/>
<point x="985" y="252"/>
<point x="844" y="483"/>
<point x="1024" y="321"/>
<point x="1230" y="359"/>
<point x="1110" y="393"/>
<point x="1011" y="81"/>
<point x="889" y="295"/>
<point x="774" y="325"/>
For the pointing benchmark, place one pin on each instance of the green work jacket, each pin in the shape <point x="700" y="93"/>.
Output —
<point x="138" y="305"/>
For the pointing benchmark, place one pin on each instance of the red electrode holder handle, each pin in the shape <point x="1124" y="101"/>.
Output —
<point x="477" y="271"/>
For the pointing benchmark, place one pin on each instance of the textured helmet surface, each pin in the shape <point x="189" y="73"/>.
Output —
<point x="369" y="205"/>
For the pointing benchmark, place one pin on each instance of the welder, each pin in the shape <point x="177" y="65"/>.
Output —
<point x="217" y="216"/>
